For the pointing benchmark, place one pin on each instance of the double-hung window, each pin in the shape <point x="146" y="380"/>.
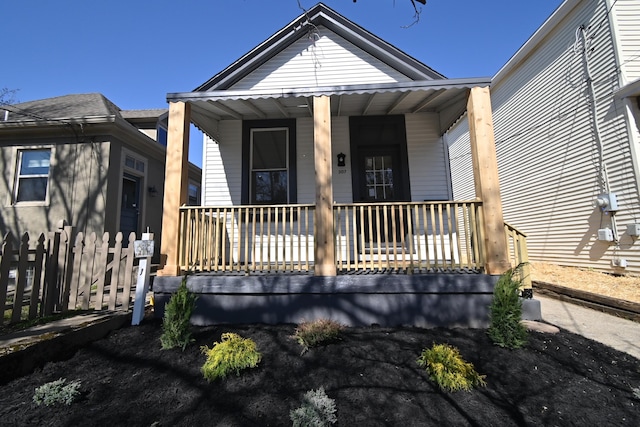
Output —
<point x="269" y="162"/>
<point x="32" y="179"/>
<point x="269" y="166"/>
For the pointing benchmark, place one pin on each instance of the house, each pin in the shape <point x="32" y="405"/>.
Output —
<point x="566" y="116"/>
<point x="326" y="186"/>
<point x="81" y="159"/>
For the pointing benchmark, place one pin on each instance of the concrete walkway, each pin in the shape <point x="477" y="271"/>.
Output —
<point x="615" y="332"/>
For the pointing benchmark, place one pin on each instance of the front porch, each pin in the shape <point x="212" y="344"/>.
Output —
<point x="414" y="263"/>
<point x="409" y="238"/>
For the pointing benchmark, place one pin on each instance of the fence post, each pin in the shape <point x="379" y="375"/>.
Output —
<point x="5" y="264"/>
<point x="49" y="292"/>
<point x="128" y="272"/>
<point x="21" y="278"/>
<point x="143" y="249"/>
<point x="66" y="257"/>
<point x="37" y="277"/>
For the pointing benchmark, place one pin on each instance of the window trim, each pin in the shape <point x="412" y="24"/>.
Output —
<point x="247" y="161"/>
<point x="16" y="179"/>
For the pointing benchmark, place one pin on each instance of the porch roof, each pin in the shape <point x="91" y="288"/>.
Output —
<point x="447" y="97"/>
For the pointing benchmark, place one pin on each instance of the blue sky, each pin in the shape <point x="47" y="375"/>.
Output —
<point x="135" y="52"/>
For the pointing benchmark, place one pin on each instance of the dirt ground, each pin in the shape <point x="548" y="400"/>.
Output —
<point x="561" y="379"/>
<point x="621" y="287"/>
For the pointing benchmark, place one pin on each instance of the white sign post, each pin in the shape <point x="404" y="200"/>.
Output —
<point x="142" y="249"/>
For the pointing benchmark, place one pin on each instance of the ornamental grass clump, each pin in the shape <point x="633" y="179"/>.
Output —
<point x="232" y="354"/>
<point x="176" y="325"/>
<point x="55" y="392"/>
<point x="317" y="410"/>
<point x="446" y="367"/>
<point x="506" y="329"/>
<point x="317" y="332"/>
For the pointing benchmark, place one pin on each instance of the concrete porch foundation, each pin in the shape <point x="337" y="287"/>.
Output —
<point x="429" y="300"/>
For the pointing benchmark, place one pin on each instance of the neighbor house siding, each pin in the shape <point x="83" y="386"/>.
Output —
<point x="547" y="154"/>
<point x="77" y="187"/>
<point x="626" y="18"/>
<point x="325" y="60"/>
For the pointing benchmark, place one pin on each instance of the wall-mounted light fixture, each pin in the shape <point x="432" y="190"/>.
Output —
<point x="153" y="191"/>
<point x="341" y="159"/>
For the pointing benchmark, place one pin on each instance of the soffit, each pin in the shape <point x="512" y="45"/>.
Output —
<point x="447" y="97"/>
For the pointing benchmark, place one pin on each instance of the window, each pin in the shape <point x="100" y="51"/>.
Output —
<point x="269" y="162"/>
<point x="269" y="184"/>
<point x="133" y="163"/>
<point x="193" y="194"/>
<point x="33" y="175"/>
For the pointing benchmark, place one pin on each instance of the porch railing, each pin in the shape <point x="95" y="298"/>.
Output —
<point x="412" y="236"/>
<point x="518" y="255"/>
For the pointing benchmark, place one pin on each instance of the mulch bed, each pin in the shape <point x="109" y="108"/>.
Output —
<point x="562" y="379"/>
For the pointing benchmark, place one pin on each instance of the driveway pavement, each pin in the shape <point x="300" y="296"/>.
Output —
<point x="616" y="332"/>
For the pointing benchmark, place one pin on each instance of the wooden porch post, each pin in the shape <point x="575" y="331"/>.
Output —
<point x="485" y="171"/>
<point x="175" y="185"/>
<point x="324" y="248"/>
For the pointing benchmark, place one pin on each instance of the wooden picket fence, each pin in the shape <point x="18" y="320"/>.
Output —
<point x="55" y="273"/>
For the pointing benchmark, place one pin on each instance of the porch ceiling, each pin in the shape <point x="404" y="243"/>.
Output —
<point x="447" y="97"/>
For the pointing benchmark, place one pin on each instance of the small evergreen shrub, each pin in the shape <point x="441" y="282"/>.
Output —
<point x="506" y="329"/>
<point x="232" y="354"/>
<point x="448" y="369"/>
<point x="176" y="326"/>
<point x="57" y="391"/>
<point x="312" y="334"/>
<point x="317" y="410"/>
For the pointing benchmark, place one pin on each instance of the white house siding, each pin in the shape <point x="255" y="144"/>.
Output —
<point x="461" y="165"/>
<point x="625" y="16"/>
<point x="428" y="169"/>
<point x="326" y="60"/>
<point x="222" y="180"/>
<point x="547" y="154"/>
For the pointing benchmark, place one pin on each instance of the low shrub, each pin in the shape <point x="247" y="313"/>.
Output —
<point x="55" y="392"/>
<point x="321" y="331"/>
<point x="317" y="410"/>
<point x="232" y="354"/>
<point x="176" y="326"/>
<point x="506" y="329"/>
<point x="448" y="369"/>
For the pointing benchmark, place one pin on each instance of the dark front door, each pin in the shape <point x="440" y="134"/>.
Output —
<point x="380" y="173"/>
<point x="130" y="208"/>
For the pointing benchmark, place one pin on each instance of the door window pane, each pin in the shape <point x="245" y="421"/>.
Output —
<point x="379" y="177"/>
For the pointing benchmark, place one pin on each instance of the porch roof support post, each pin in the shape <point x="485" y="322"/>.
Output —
<point x="485" y="171"/>
<point x="175" y="185"/>
<point x="324" y="248"/>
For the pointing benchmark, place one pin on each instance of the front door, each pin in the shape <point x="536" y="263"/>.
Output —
<point x="380" y="173"/>
<point x="130" y="207"/>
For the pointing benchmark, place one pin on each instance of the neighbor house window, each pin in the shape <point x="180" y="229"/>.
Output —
<point x="33" y="175"/>
<point x="269" y="162"/>
<point x="193" y="194"/>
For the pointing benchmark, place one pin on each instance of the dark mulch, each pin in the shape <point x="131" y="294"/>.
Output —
<point x="371" y="373"/>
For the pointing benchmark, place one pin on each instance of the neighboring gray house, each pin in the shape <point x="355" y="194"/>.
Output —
<point x="81" y="159"/>
<point x="566" y="114"/>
